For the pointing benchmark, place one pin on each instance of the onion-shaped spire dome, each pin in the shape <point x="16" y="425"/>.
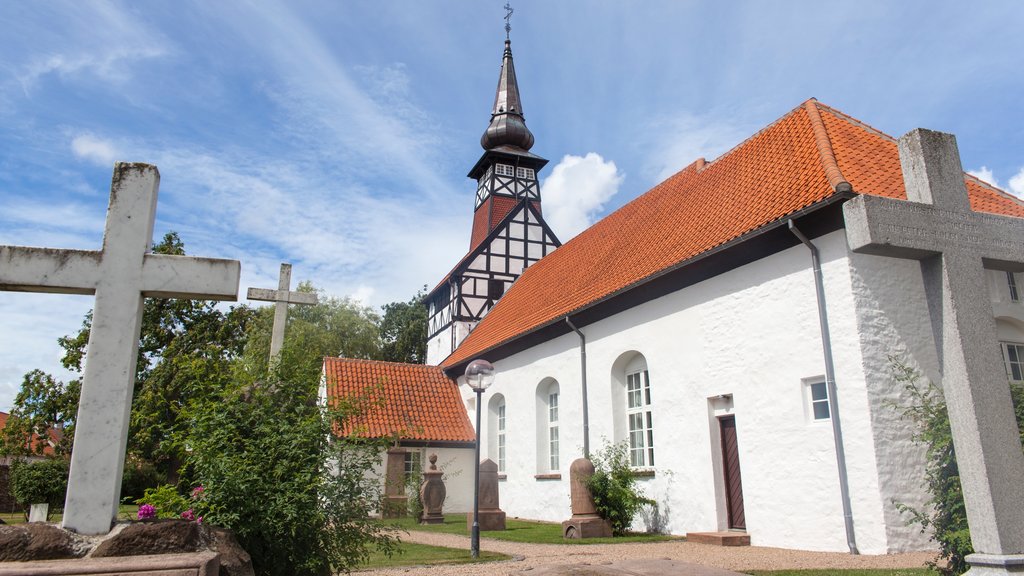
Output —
<point x="508" y="126"/>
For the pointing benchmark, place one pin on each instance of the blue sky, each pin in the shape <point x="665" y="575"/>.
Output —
<point x="337" y="135"/>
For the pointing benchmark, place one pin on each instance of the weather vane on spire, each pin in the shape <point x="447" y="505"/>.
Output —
<point x="508" y="19"/>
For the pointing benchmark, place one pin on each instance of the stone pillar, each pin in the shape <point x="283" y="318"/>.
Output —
<point x="432" y="494"/>
<point x="491" y="516"/>
<point x="585" y="523"/>
<point x="395" y="500"/>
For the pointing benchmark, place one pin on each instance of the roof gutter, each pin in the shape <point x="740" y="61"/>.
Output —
<point x="583" y="383"/>
<point x="830" y="384"/>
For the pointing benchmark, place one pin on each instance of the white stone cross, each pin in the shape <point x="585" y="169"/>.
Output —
<point x="954" y="245"/>
<point x="120" y="274"/>
<point x="283" y="296"/>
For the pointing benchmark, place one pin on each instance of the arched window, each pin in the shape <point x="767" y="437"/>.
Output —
<point x="631" y="395"/>
<point x="497" y="446"/>
<point x="548" y="456"/>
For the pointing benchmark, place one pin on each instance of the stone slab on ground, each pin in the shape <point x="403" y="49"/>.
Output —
<point x="198" y="564"/>
<point x="629" y="568"/>
<point x="719" y="538"/>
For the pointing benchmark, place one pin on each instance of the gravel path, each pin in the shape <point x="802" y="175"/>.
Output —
<point x="531" y="556"/>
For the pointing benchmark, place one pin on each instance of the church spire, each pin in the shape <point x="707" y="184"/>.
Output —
<point x="508" y="126"/>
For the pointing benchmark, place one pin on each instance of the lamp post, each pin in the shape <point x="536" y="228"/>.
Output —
<point x="479" y="376"/>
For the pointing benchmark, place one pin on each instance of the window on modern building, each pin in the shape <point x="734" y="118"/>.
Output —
<point x="1011" y="281"/>
<point x="413" y="463"/>
<point x="817" y="398"/>
<point x="553" y="426"/>
<point x="638" y="417"/>
<point x="1013" y="356"/>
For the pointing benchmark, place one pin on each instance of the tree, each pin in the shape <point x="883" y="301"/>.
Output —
<point x="945" y="515"/>
<point x="617" y="497"/>
<point x="403" y="330"/>
<point x="298" y="498"/>
<point x="43" y="405"/>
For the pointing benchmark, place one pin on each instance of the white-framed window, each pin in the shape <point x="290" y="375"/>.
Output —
<point x="638" y="417"/>
<point x="501" y="437"/>
<point x="1013" y="356"/>
<point x="413" y="463"/>
<point x="524" y="173"/>
<point x="816" y="392"/>
<point x="504" y="170"/>
<point x="1011" y="281"/>
<point x="553" y="427"/>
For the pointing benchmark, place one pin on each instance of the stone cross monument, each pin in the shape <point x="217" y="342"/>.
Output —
<point x="283" y="296"/>
<point x="120" y="274"/>
<point x="954" y="245"/>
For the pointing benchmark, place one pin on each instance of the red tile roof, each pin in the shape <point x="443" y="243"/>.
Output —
<point x="37" y="440"/>
<point x="800" y="159"/>
<point x="407" y="401"/>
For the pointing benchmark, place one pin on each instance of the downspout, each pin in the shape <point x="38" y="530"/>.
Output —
<point x="830" y="383"/>
<point x="583" y="380"/>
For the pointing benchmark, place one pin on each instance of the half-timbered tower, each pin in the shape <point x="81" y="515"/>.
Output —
<point x="508" y="234"/>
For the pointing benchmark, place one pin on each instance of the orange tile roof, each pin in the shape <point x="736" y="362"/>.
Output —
<point x="37" y="440"/>
<point x="801" y="159"/>
<point x="407" y="401"/>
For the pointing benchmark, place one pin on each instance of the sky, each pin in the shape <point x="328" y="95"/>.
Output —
<point x="336" y="135"/>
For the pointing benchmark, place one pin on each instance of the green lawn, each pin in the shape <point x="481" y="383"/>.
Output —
<point x="125" y="512"/>
<point x="410" y="554"/>
<point x="898" y="572"/>
<point x="521" y="531"/>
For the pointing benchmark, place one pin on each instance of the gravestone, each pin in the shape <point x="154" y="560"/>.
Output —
<point x="432" y="494"/>
<point x="954" y="245"/>
<point x="395" y="500"/>
<point x="585" y="522"/>
<point x="120" y="275"/>
<point x="492" y="517"/>
<point x="282" y="297"/>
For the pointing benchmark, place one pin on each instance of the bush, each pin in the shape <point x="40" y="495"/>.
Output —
<point x="44" y="481"/>
<point x="138" y="476"/>
<point x="613" y="486"/>
<point x="166" y="500"/>
<point x="298" y="499"/>
<point x="947" y="517"/>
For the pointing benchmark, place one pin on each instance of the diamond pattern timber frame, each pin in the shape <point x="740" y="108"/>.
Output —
<point x="520" y="240"/>
<point x="507" y="180"/>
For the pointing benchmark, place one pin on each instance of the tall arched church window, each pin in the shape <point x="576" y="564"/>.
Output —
<point x="552" y="413"/>
<point x="497" y="430"/>
<point x="638" y="418"/>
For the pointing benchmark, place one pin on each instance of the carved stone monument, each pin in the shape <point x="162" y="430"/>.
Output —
<point x="585" y="522"/>
<point x="491" y="516"/>
<point x="396" y="503"/>
<point x="120" y="274"/>
<point x="432" y="494"/>
<point x="954" y="245"/>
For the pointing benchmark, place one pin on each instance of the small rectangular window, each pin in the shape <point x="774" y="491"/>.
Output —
<point x="413" y="464"/>
<point x="495" y="288"/>
<point x="819" y="400"/>
<point x="524" y="173"/>
<point x="1011" y="281"/>
<point x="1013" y="355"/>
<point x="503" y="170"/>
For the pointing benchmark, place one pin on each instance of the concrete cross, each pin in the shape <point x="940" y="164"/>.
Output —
<point x="954" y="245"/>
<point x="283" y="296"/>
<point x="121" y="274"/>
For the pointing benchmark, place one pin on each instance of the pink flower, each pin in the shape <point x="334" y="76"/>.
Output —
<point x="146" y="511"/>
<point x="199" y="520"/>
<point x="188" y="515"/>
<point x="197" y="492"/>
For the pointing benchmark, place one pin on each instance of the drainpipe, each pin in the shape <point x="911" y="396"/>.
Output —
<point x="830" y="383"/>
<point x="583" y="379"/>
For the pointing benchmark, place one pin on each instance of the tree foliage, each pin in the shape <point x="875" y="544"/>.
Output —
<point x="945" y="514"/>
<point x="43" y="404"/>
<point x="40" y="482"/>
<point x="403" y="330"/>
<point x="617" y="497"/>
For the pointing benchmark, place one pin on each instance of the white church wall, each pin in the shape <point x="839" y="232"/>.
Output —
<point x="751" y="333"/>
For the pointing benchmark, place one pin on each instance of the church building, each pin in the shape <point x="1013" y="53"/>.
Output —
<point x="687" y="325"/>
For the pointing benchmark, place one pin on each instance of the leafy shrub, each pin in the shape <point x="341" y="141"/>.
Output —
<point x="298" y="498"/>
<point x="44" y="481"/>
<point x="947" y="517"/>
<point x="138" y="476"/>
<point x="166" y="500"/>
<point x="613" y="486"/>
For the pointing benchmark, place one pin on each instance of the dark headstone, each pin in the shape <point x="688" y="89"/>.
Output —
<point x="585" y="522"/>
<point x="432" y="494"/>
<point x="395" y="500"/>
<point x="491" y="515"/>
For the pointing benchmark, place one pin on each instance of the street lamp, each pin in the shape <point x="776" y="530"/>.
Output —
<point x="479" y="376"/>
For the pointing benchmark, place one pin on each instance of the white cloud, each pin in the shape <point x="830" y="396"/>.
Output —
<point x="984" y="173"/>
<point x="576" y="191"/>
<point x="93" y="149"/>
<point x="1017" y="183"/>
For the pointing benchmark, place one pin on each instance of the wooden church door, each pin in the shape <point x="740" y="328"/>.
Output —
<point x="731" y="473"/>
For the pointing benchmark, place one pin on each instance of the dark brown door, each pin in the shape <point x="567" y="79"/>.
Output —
<point x="731" y="471"/>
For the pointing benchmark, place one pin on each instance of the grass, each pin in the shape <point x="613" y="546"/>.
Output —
<point x="875" y="572"/>
<point x="125" y="512"/>
<point x="410" y="554"/>
<point x="522" y="531"/>
<point x="862" y="572"/>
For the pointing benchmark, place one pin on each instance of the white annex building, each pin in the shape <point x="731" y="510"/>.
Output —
<point x="687" y="324"/>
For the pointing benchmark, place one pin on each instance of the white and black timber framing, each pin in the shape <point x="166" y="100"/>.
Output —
<point x="508" y="234"/>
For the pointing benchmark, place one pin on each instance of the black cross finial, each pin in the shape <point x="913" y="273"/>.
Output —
<point x="508" y="19"/>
